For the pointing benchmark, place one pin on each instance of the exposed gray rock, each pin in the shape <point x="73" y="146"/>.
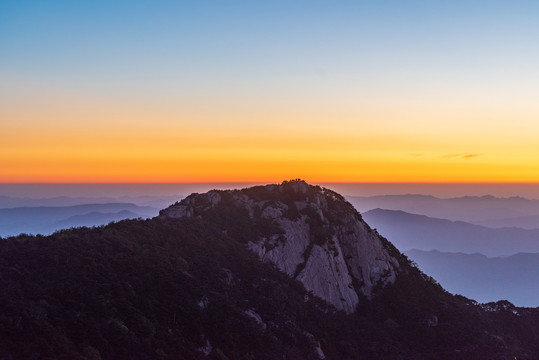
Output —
<point x="203" y="303"/>
<point x="319" y="353"/>
<point x="317" y="349"/>
<point x="315" y="236"/>
<point x="206" y="349"/>
<point x="179" y="211"/>
<point x="432" y="321"/>
<point x="327" y="276"/>
<point x="274" y="212"/>
<point x="286" y="251"/>
<point x="256" y="317"/>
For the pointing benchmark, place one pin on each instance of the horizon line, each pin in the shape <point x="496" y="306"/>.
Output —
<point x="268" y="182"/>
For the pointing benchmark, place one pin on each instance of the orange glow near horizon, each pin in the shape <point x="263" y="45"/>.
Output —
<point x="66" y="139"/>
<point x="120" y="152"/>
<point x="250" y="161"/>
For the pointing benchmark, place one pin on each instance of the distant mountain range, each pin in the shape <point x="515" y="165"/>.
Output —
<point x="514" y="278"/>
<point x="95" y="218"/>
<point x="156" y="201"/>
<point x="47" y="219"/>
<point x="411" y="231"/>
<point x="484" y="210"/>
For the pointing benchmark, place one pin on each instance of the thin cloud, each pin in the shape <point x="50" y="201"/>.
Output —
<point x="460" y="156"/>
<point x="451" y="156"/>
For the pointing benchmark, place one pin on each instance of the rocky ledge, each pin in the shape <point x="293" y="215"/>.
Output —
<point x="311" y="233"/>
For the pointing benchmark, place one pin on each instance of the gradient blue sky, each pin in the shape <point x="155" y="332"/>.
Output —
<point x="422" y="87"/>
<point x="118" y="46"/>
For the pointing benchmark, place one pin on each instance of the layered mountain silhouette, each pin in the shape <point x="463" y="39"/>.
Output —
<point x="411" y="231"/>
<point x="45" y="220"/>
<point x="482" y="278"/>
<point x="154" y="201"/>
<point x="479" y="210"/>
<point x="288" y="271"/>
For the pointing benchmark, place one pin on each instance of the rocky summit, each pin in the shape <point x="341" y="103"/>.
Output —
<point x="311" y="233"/>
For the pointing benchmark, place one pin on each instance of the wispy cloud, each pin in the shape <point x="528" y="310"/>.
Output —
<point x="460" y="156"/>
<point x="451" y="156"/>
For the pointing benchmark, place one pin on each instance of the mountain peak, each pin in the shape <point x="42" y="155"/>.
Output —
<point x="311" y="233"/>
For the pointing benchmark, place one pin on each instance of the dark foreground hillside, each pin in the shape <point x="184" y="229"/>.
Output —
<point x="185" y="289"/>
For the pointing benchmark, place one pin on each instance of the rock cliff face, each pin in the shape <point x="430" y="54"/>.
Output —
<point x="309" y="232"/>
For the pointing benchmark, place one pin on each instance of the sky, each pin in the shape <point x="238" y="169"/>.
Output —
<point x="263" y="91"/>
